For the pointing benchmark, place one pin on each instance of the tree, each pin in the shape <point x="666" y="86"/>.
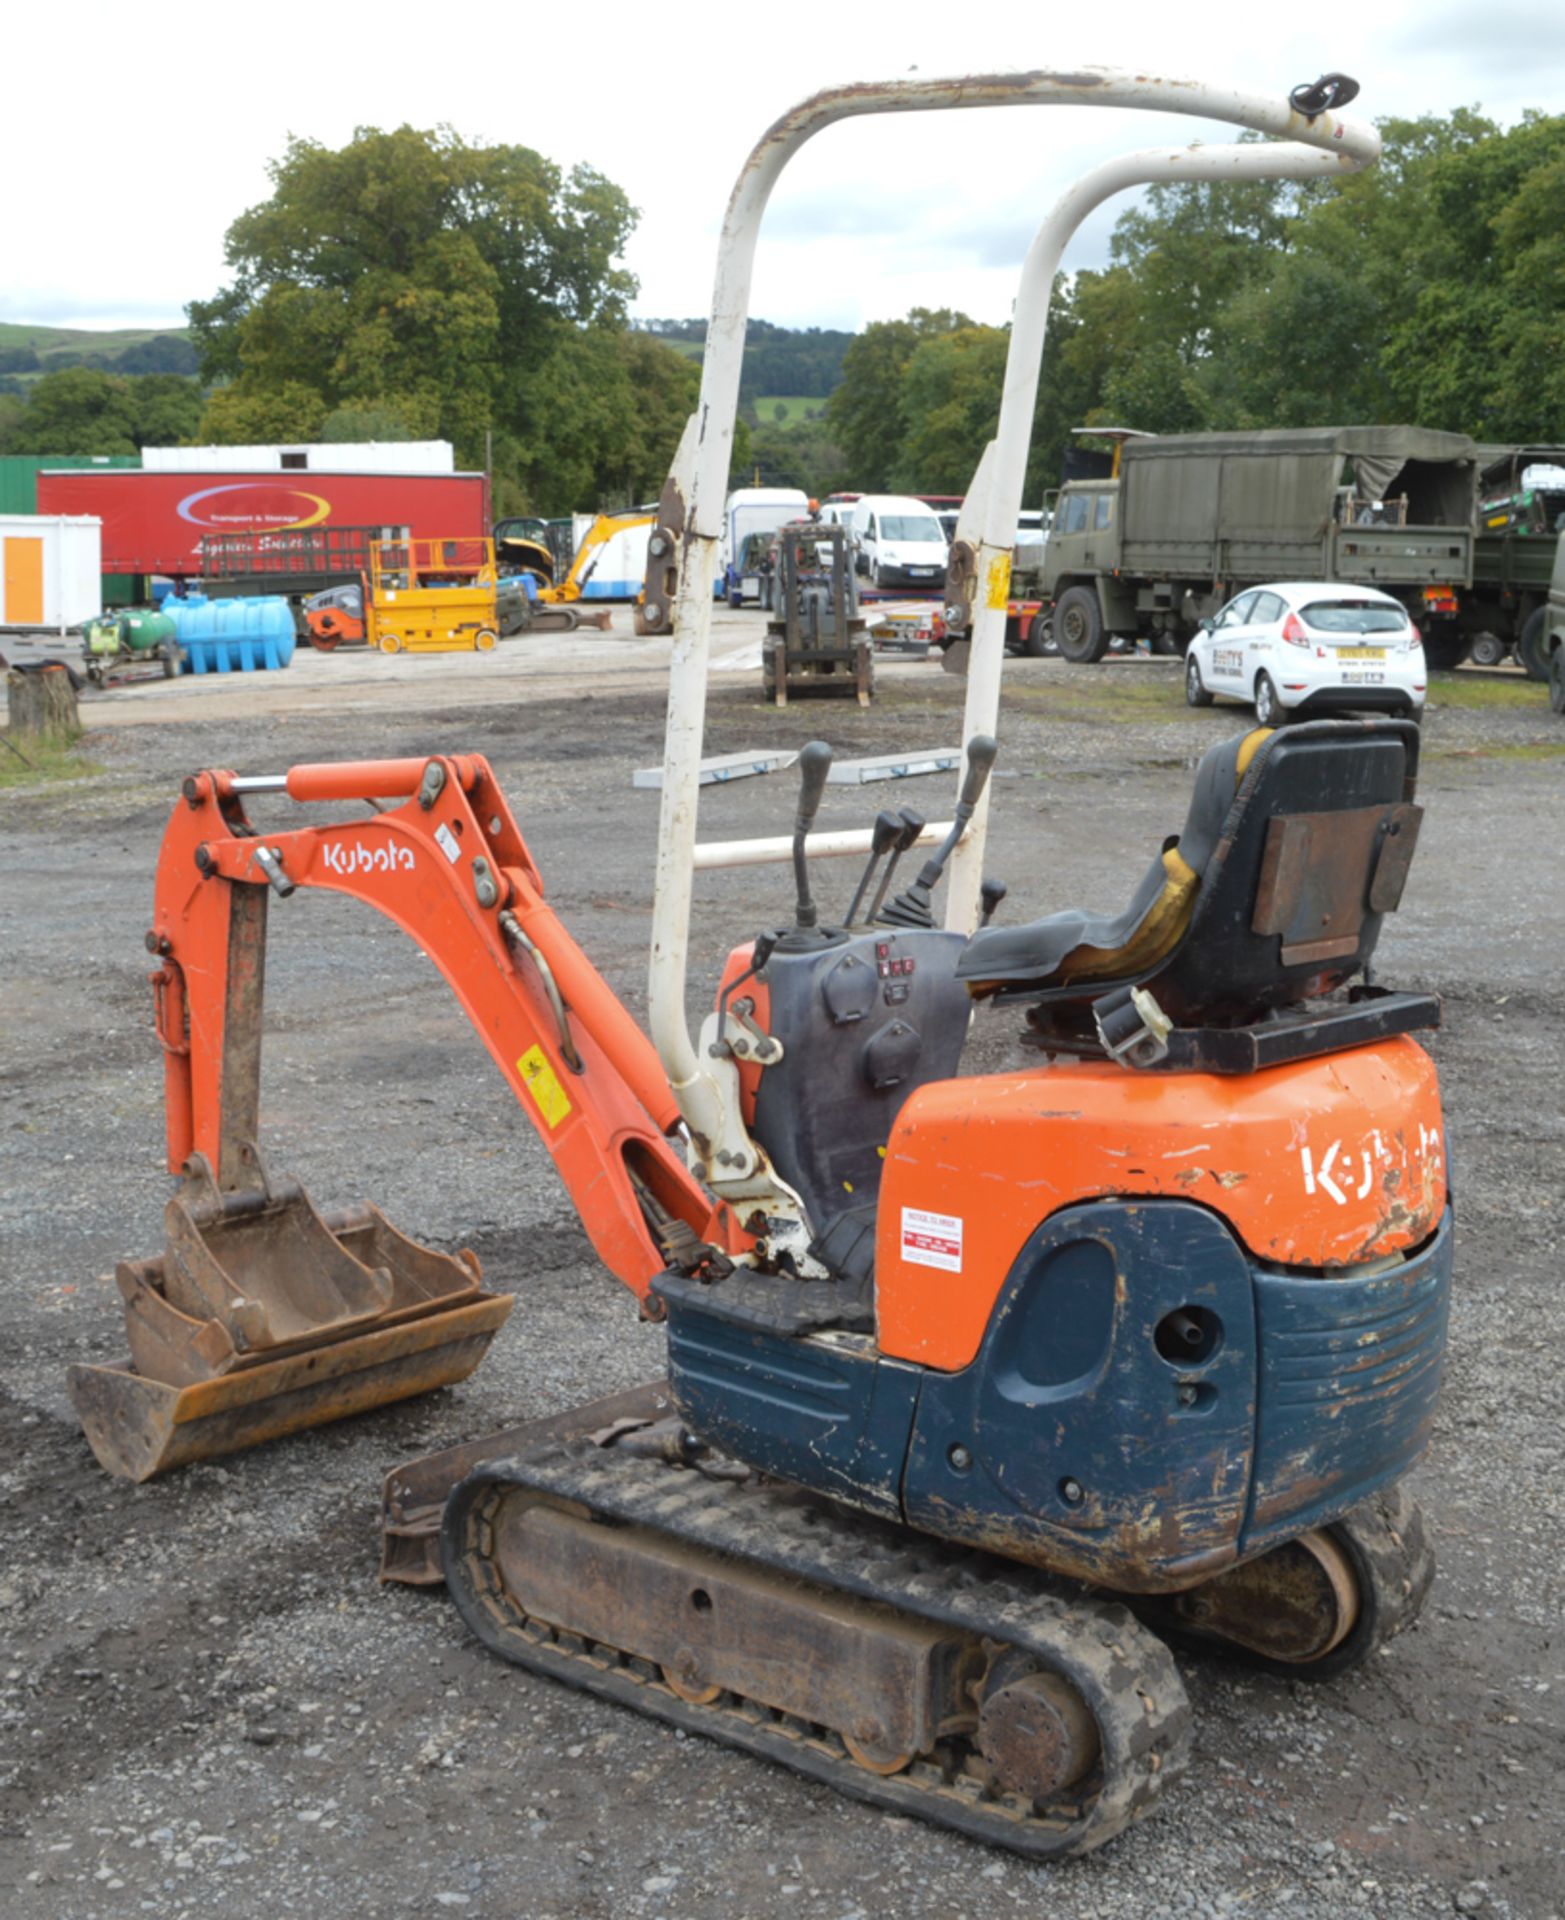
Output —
<point x="242" y="416"/>
<point x="78" y="411"/>
<point x="949" y="404"/>
<point x="411" y="271"/>
<point x="167" y="409"/>
<point x="864" y="412"/>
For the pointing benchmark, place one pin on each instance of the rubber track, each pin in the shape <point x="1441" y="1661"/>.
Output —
<point x="1126" y="1674"/>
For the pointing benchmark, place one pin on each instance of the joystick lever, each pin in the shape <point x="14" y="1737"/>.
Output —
<point x="911" y="909"/>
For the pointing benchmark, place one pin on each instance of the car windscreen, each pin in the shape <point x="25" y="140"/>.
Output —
<point x="1354" y="616"/>
<point x="898" y="526"/>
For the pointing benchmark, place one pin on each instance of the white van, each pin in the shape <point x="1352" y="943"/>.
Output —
<point x="901" y="543"/>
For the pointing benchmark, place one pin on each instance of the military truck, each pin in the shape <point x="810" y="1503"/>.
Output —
<point x="1521" y="509"/>
<point x="1189" y="520"/>
<point x="1548" y="627"/>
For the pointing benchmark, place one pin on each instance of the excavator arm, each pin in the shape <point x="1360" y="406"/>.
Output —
<point x="447" y="862"/>
<point x="590" y="552"/>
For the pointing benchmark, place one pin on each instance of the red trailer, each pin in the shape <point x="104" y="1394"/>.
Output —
<point x="155" y="522"/>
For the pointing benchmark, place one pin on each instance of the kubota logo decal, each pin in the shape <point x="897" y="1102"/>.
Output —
<point x="1349" y="1173"/>
<point x="337" y="858"/>
<point x="251" y="504"/>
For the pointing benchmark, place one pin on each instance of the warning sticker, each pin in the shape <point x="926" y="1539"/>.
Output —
<point x="932" y="1239"/>
<point x="544" y="1086"/>
<point x="446" y="840"/>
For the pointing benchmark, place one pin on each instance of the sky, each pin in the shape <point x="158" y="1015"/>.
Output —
<point x="150" y="128"/>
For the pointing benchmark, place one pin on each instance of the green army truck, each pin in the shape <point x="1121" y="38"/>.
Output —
<point x="1192" y="519"/>
<point x="1548" y="625"/>
<point x="1521" y="510"/>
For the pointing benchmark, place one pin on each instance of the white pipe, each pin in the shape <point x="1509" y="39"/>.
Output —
<point x="700" y="470"/>
<point x="819" y="846"/>
<point x="1004" y="464"/>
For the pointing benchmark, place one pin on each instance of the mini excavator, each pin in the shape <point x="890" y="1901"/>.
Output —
<point x="981" y="1389"/>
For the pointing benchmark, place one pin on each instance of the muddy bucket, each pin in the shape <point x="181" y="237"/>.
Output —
<point x="264" y="1317"/>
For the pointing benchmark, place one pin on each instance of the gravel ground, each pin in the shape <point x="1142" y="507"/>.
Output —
<point x="207" y="1703"/>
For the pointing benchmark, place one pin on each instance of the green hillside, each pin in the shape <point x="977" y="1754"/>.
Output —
<point x="28" y="351"/>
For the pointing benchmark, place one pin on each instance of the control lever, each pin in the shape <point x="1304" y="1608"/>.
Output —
<point x="990" y="894"/>
<point x="883" y="837"/>
<point x="912" y="827"/>
<point x="911" y="909"/>
<point x="814" y="765"/>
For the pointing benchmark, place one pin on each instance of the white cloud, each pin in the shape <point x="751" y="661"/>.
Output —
<point x="871" y="218"/>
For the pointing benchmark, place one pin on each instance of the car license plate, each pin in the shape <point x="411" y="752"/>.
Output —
<point x="1362" y="679"/>
<point x="1361" y="653"/>
<point x="920" y="573"/>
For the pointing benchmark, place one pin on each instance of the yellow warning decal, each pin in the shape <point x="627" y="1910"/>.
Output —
<point x="544" y="1086"/>
<point x="999" y="580"/>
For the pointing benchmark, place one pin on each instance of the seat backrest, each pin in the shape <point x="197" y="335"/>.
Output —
<point x="1312" y="852"/>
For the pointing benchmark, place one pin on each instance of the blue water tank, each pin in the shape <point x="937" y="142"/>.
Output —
<point x="232" y="636"/>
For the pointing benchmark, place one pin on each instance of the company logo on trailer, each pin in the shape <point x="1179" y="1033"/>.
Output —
<point x="248" y="503"/>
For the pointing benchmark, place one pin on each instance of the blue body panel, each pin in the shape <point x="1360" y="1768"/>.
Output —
<point x="1350" y="1370"/>
<point x="1079" y="1438"/>
<point x="831" y="1417"/>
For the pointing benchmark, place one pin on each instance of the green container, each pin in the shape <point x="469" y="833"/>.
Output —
<point x="102" y="636"/>
<point x="141" y="629"/>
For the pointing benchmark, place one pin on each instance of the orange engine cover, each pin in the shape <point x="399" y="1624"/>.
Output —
<point x="1323" y="1163"/>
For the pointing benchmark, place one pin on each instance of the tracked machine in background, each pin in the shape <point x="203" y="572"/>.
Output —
<point x="977" y="1387"/>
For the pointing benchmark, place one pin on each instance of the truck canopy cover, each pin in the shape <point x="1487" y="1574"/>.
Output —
<point x="1251" y="484"/>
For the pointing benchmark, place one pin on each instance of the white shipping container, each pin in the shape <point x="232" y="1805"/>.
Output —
<point x="50" y="570"/>
<point x="373" y="456"/>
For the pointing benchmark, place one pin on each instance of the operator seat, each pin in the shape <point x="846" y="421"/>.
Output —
<point x="1296" y="843"/>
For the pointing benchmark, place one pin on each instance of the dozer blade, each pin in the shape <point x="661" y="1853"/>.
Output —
<point x="566" y="619"/>
<point x="413" y="1495"/>
<point x="264" y="1317"/>
<point x="139" y="1427"/>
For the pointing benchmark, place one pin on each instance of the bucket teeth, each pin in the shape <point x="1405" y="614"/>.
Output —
<point x="265" y="1316"/>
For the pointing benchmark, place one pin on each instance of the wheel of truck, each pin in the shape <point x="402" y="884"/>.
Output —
<point x="1196" y="694"/>
<point x="1078" y="627"/>
<point x="1532" y="648"/>
<point x="1268" y="708"/>
<point x="390" y="643"/>
<point x="1487" y="650"/>
<point x="1444" y="651"/>
<point x="484" y="640"/>
<point x="1040" y="637"/>
<point x="1557" y="680"/>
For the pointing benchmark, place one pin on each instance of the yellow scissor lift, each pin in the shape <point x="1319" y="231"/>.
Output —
<point x="432" y="596"/>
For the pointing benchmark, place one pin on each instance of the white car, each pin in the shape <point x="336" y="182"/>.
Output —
<point x="1299" y="648"/>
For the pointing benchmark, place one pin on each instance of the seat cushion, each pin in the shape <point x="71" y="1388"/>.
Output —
<point x="1076" y="945"/>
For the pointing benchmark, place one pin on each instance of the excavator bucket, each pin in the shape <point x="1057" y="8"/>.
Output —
<point x="264" y="1317"/>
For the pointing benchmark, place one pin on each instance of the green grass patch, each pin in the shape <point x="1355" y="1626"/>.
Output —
<point x="1469" y="691"/>
<point x="37" y="761"/>
<point x="47" y="340"/>
<point x="797" y="409"/>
